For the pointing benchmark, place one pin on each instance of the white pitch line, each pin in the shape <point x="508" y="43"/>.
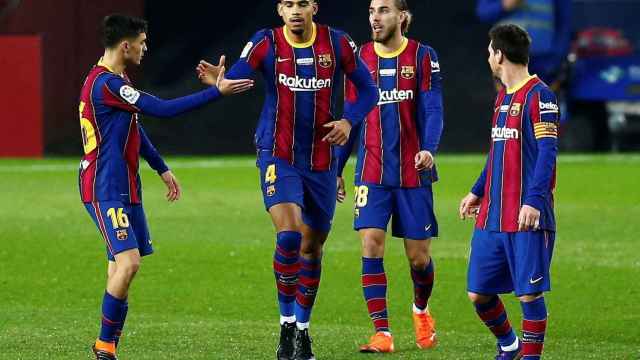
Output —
<point x="248" y="162"/>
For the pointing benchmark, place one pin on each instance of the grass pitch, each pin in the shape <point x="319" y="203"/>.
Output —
<point x="208" y="291"/>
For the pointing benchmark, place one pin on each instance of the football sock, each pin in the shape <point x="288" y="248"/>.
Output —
<point x="285" y="268"/>
<point x="112" y="318"/>
<point x="422" y="285"/>
<point x="374" y="285"/>
<point x="534" y="324"/>
<point x="494" y="316"/>
<point x="308" y="283"/>
<point x="124" y="318"/>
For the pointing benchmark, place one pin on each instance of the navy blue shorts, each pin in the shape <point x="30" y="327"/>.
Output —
<point x="313" y="191"/>
<point x="123" y="227"/>
<point x="502" y="262"/>
<point x="410" y="208"/>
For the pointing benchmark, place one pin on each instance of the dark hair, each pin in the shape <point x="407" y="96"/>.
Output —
<point x="403" y="6"/>
<point x="513" y="41"/>
<point x="116" y="28"/>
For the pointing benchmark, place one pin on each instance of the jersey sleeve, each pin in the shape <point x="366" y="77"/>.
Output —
<point x="122" y="95"/>
<point x="363" y="90"/>
<point x="544" y="115"/>
<point x="479" y="186"/>
<point x="344" y="152"/>
<point x="150" y="154"/>
<point x="430" y="108"/>
<point x="252" y="57"/>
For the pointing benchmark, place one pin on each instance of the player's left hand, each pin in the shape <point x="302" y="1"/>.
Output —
<point x="173" y="186"/>
<point x="529" y="218"/>
<point x="339" y="133"/>
<point x="424" y="160"/>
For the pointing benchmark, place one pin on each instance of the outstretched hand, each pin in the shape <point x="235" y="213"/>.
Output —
<point x="339" y="133"/>
<point x="213" y="75"/>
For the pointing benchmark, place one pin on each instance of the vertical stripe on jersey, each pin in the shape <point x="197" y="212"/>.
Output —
<point x="409" y="143"/>
<point x="131" y="154"/>
<point x="372" y="169"/>
<point x="285" y="113"/>
<point x="483" y="215"/>
<point x="323" y="47"/>
<point x="390" y="123"/>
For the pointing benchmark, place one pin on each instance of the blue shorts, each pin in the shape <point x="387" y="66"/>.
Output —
<point x="313" y="191"/>
<point x="502" y="262"/>
<point x="410" y="208"/>
<point x="123" y="227"/>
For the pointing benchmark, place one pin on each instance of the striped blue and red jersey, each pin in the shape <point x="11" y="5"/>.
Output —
<point x="521" y="166"/>
<point x="407" y="120"/>
<point x="301" y="82"/>
<point x="113" y="139"/>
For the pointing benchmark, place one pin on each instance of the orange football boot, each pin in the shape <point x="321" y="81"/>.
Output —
<point x="380" y="342"/>
<point x="425" y="327"/>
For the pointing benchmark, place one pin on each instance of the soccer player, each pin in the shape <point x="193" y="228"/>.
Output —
<point x="113" y="140"/>
<point x="513" y="198"/>
<point x="395" y="168"/>
<point x="302" y="63"/>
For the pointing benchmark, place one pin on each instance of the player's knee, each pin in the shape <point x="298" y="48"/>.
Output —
<point x="478" y="298"/>
<point x="372" y="244"/>
<point x="311" y="249"/>
<point x="129" y="268"/>
<point x="529" y="297"/>
<point x="419" y="262"/>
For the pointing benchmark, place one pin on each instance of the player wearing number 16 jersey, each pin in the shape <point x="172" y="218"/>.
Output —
<point x="302" y="64"/>
<point x="395" y="169"/>
<point x="113" y="141"/>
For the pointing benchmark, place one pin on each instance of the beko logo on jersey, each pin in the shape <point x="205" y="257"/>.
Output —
<point x="548" y="106"/>
<point x="504" y="133"/>
<point x="435" y="66"/>
<point x="301" y="84"/>
<point x="394" y="96"/>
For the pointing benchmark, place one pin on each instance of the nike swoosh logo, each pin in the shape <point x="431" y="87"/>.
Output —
<point x="531" y="281"/>
<point x="283" y="60"/>
<point x="426" y="228"/>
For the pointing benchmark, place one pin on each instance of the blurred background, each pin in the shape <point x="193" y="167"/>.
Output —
<point x="588" y="50"/>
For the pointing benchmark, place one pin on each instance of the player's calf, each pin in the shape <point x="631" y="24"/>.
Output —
<point x="491" y="311"/>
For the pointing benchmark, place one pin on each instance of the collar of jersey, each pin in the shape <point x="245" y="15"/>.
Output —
<point x="297" y="44"/>
<point x="519" y="86"/>
<point x="388" y="55"/>
<point x="101" y="63"/>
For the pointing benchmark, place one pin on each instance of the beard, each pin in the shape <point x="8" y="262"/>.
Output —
<point x="382" y="37"/>
<point x="297" y="31"/>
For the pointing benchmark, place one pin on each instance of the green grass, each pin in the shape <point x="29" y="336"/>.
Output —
<point x="208" y="292"/>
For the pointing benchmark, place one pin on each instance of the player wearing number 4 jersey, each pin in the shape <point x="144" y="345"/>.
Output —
<point x="302" y="63"/>
<point x="513" y="199"/>
<point x="395" y="166"/>
<point x="113" y="140"/>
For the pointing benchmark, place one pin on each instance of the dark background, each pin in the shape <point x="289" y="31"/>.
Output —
<point x="182" y="33"/>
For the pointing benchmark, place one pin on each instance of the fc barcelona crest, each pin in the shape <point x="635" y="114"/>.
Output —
<point x="408" y="72"/>
<point x="271" y="190"/>
<point x="515" y="109"/>
<point x="122" y="234"/>
<point x="325" y="60"/>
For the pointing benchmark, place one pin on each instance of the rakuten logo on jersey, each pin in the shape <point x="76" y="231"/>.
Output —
<point x="550" y="106"/>
<point x="394" y="96"/>
<point x="504" y="133"/>
<point x="302" y="84"/>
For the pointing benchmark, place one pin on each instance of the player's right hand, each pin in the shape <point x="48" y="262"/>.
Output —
<point x="469" y="206"/>
<point x="208" y="73"/>
<point x="341" y="193"/>
<point x="229" y="87"/>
